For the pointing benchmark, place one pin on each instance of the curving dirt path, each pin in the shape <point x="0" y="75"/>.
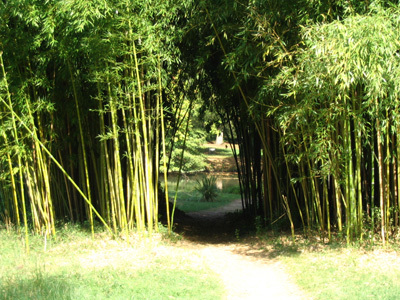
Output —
<point x="245" y="271"/>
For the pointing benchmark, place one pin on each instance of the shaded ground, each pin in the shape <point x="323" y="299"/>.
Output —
<point x="210" y="226"/>
<point x="247" y="271"/>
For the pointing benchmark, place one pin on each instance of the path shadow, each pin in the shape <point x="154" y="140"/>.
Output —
<point x="233" y="228"/>
<point x="209" y="228"/>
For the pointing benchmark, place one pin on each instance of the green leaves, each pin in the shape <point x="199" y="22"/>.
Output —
<point x="359" y="50"/>
<point x="207" y="188"/>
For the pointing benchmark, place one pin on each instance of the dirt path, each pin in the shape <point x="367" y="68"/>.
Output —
<point x="218" y="212"/>
<point x="245" y="272"/>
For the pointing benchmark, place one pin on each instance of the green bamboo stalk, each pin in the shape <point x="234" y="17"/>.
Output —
<point x="305" y="195"/>
<point x="20" y="171"/>
<point x="42" y="178"/>
<point x="328" y="217"/>
<point x="336" y="179"/>
<point x="82" y="139"/>
<point x="181" y="161"/>
<point x="48" y="204"/>
<point x="169" y="223"/>
<point x="381" y="181"/>
<point x="395" y="191"/>
<point x="358" y="150"/>
<point x="268" y="177"/>
<point x="293" y="188"/>
<point x="350" y="185"/>
<point x="316" y="204"/>
<point x="338" y="197"/>
<point x="69" y="196"/>
<point x="397" y="168"/>
<point x="13" y="183"/>
<point x="388" y="173"/>
<point x="157" y="143"/>
<point x="104" y="165"/>
<point x="289" y="214"/>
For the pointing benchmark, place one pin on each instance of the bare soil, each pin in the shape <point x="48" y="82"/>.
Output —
<point x="247" y="271"/>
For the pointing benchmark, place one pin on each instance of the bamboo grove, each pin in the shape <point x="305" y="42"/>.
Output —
<point x="309" y="90"/>
<point x="93" y="94"/>
<point x="82" y="112"/>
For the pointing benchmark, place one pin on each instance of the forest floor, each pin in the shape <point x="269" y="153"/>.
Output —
<point x="247" y="270"/>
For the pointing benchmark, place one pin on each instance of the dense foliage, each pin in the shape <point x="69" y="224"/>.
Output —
<point x="82" y="100"/>
<point x="95" y="96"/>
<point x="310" y="90"/>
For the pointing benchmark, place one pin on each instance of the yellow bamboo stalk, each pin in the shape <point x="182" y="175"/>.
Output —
<point x="59" y="166"/>
<point x="10" y="107"/>
<point x="117" y="162"/>
<point x="146" y="158"/>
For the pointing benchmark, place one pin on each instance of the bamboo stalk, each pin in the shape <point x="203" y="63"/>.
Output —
<point x="59" y="166"/>
<point x="181" y="162"/>
<point x="381" y="182"/>
<point x="20" y="171"/>
<point x="82" y="139"/>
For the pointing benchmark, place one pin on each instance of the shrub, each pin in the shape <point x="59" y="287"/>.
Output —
<point x="207" y="188"/>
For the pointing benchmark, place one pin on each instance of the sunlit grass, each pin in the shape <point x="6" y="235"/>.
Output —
<point x="190" y="201"/>
<point x="336" y="271"/>
<point x="347" y="274"/>
<point x="73" y="266"/>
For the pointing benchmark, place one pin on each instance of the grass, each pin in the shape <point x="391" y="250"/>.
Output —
<point x="73" y="266"/>
<point x="189" y="200"/>
<point x="347" y="274"/>
<point x="192" y="204"/>
<point x="336" y="271"/>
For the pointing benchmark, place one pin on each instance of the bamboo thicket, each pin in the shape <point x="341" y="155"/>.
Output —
<point x="310" y="93"/>
<point x="82" y="112"/>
